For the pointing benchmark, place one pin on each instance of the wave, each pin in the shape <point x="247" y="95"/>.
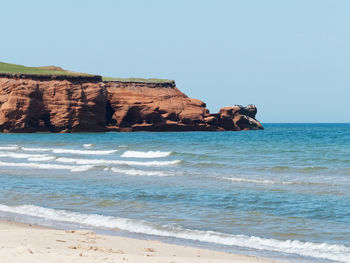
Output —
<point x="95" y="152"/>
<point x="336" y="252"/>
<point x="313" y="168"/>
<point x="48" y="166"/>
<point x="9" y="148"/>
<point x="118" y="162"/>
<point x="238" y="179"/>
<point x="71" y="151"/>
<point x="87" y="145"/>
<point x="41" y="159"/>
<point x="149" y="154"/>
<point x="45" y="157"/>
<point x="258" y="181"/>
<point x="300" y="169"/>
<point x="21" y="155"/>
<point x="134" y="172"/>
<point x="29" y="149"/>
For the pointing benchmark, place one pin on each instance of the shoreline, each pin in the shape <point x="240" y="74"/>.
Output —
<point x="21" y="242"/>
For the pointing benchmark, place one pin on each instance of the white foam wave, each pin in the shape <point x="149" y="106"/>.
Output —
<point x="246" y="180"/>
<point x="118" y="162"/>
<point x="149" y="154"/>
<point x="48" y="166"/>
<point x="9" y="148"/>
<point x="260" y="181"/>
<point x="41" y="159"/>
<point x="87" y="145"/>
<point x="336" y="252"/>
<point x="21" y="155"/>
<point x="29" y="149"/>
<point x="134" y="172"/>
<point x="70" y="151"/>
<point x="90" y="152"/>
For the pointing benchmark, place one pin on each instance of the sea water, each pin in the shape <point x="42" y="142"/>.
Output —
<point x="283" y="192"/>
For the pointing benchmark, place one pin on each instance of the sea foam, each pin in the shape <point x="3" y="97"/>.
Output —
<point x="149" y="154"/>
<point x="134" y="172"/>
<point x="29" y="149"/>
<point x="41" y="159"/>
<point x="118" y="162"/>
<point x="21" y="155"/>
<point x="267" y="182"/>
<point x="337" y="252"/>
<point x="9" y="148"/>
<point x="89" y="152"/>
<point x="69" y="151"/>
<point x="72" y="168"/>
<point x="255" y="181"/>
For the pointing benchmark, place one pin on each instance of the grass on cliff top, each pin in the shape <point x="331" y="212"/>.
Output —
<point x="49" y="70"/>
<point x="53" y="70"/>
<point x="138" y="80"/>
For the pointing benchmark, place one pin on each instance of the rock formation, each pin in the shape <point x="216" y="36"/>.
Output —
<point x="30" y="103"/>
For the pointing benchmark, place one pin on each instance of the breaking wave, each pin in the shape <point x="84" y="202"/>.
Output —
<point x="69" y="151"/>
<point x="336" y="252"/>
<point x="21" y="155"/>
<point x="29" y="149"/>
<point x="118" y="162"/>
<point x="149" y="154"/>
<point x="90" y="152"/>
<point x="134" y="172"/>
<point x="72" y="168"/>
<point x="41" y="159"/>
<point x="9" y="148"/>
<point x="238" y="179"/>
<point x="261" y="181"/>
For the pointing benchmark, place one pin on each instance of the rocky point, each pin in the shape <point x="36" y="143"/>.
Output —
<point x="54" y="103"/>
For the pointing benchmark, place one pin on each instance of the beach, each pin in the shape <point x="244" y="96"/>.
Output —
<point x="175" y="132"/>
<point x="28" y="243"/>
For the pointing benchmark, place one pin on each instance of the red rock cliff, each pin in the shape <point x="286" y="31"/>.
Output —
<point x="30" y="103"/>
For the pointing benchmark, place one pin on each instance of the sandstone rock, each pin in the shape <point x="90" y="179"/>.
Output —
<point x="239" y="118"/>
<point x="153" y="106"/>
<point x="30" y="103"/>
<point x="247" y="123"/>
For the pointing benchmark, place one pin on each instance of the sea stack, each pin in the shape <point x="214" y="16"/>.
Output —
<point x="62" y="103"/>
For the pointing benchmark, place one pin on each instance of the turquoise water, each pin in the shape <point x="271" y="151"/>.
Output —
<point x="283" y="192"/>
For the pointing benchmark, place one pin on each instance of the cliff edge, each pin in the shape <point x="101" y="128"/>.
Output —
<point x="62" y="103"/>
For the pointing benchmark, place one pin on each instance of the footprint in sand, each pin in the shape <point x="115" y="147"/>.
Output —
<point x="148" y="249"/>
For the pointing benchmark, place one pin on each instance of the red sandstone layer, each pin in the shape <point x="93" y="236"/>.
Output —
<point x="30" y="103"/>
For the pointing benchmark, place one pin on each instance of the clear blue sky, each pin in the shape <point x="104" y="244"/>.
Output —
<point x="290" y="58"/>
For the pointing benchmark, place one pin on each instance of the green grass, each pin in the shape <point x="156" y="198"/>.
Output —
<point x="138" y="80"/>
<point x="53" y="70"/>
<point x="49" y="70"/>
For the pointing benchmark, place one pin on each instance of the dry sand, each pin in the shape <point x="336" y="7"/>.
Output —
<point x="23" y="243"/>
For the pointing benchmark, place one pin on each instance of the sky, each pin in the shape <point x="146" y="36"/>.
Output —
<point x="289" y="58"/>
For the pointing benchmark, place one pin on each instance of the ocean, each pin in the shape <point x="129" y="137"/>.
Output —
<point x="281" y="193"/>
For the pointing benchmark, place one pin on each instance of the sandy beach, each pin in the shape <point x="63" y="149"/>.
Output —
<point x="27" y="243"/>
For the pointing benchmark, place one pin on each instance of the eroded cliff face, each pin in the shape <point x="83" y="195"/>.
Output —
<point x="30" y="103"/>
<point x="153" y="107"/>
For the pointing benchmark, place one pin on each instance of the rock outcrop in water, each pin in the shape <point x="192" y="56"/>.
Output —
<point x="30" y="103"/>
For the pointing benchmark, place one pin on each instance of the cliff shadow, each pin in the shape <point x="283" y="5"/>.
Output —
<point x="131" y="117"/>
<point x="37" y="117"/>
<point x="110" y="121"/>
